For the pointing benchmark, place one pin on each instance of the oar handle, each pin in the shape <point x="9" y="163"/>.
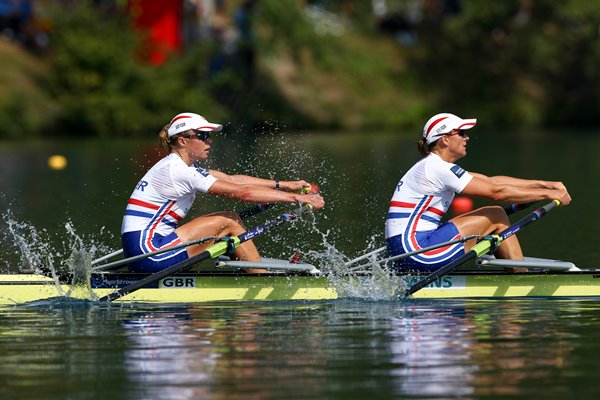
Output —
<point x="258" y="208"/>
<point x="515" y="207"/>
<point x="482" y="247"/>
<point x="255" y="209"/>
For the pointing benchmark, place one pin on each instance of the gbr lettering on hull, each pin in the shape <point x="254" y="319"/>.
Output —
<point x="177" y="282"/>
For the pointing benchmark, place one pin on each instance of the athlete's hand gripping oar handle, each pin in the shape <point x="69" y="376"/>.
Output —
<point x="489" y="243"/>
<point x="258" y="208"/>
<point x="217" y="249"/>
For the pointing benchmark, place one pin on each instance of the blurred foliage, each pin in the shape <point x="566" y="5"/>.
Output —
<point x="25" y="108"/>
<point x="332" y="64"/>
<point x="284" y="27"/>
<point x="102" y="86"/>
<point x="513" y="62"/>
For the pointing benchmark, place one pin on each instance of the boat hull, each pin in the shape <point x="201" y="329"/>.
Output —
<point x="206" y="287"/>
<point x="492" y="285"/>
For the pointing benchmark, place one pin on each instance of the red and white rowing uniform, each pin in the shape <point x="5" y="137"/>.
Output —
<point x="161" y="199"/>
<point x="420" y="201"/>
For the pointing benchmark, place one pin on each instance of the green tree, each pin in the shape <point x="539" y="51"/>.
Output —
<point x="103" y="88"/>
<point x="514" y="62"/>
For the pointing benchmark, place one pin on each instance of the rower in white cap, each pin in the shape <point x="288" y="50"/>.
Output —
<point x="424" y="194"/>
<point x="163" y="197"/>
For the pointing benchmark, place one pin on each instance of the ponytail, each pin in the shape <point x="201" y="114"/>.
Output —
<point x="424" y="148"/>
<point x="163" y="138"/>
<point x="167" y="143"/>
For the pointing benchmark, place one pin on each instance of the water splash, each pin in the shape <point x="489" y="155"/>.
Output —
<point x="34" y="251"/>
<point x="373" y="281"/>
<point x="70" y="257"/>
<point x="80" y="264"/>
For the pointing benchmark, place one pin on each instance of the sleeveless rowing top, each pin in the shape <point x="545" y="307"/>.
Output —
<point x="423" y="196"/>
<point x="164" y="196"/>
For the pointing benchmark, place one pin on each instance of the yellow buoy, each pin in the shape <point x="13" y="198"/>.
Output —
<point x="57" y="162"/>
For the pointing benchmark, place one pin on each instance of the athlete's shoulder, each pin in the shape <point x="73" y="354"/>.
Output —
<point x="202" y="171"/>
<point x="437" y="162"/>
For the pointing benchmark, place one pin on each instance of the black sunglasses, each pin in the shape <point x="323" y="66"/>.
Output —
<point x="461" y="132"/>
<point x="201" y="135"/>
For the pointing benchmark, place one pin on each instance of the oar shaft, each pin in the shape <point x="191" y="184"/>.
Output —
<point x="108" y="256"/>
<point x="429" y="248"/>
<point x="511" y="209"/>
<point x="365" y="256"/>
<point x="532" y="217"/>
<point x="115" y="264"/>
<point x="482" y="247"/>
<point x="440" y="272"/>
<point x="213" y="251"/>
<point x="245" y="213"/>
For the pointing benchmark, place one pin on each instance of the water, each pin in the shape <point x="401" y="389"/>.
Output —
<point x="352" y="348"/>
<point x="356" y="174"/>
<point x="339" y="349"/>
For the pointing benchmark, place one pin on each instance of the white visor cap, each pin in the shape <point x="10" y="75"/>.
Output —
<point x="443" y="123"/>
<point x="186" y="121"/>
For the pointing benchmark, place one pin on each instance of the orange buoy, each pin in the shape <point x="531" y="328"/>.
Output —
<point x="461" y="205"/>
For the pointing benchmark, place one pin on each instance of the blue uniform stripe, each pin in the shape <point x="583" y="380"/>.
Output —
<point x="430" y="219"/>
<point x="398" y="215"/>
<point x="135" y="213"/>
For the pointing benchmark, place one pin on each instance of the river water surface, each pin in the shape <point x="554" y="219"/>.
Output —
<point x="350" y="348"/>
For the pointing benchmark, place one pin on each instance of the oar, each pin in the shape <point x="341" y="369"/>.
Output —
<point x="488" y="244"/>
<point x="424" y="250"/>
<point x="514" y="208"/>
<point x="511" y="209"/>
<point x="108" y="256"/>
<point x="124" y="261"/>
<point x="246" y="213"/>
<point x="258" y="208"/>
<point x="226" y="245"/>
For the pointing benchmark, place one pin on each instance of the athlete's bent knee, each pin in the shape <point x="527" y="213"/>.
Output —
<point x="496" y="214"/>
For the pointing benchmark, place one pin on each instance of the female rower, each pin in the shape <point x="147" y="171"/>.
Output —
<point x="425" y="193"/>
<point x="163" y="197"/>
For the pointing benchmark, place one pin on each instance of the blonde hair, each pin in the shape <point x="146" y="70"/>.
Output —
<point x="167" y="143"/>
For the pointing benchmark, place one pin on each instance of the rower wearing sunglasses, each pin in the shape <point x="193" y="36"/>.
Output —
<point x="424" y="194"/>
<point x="163" y="197"/>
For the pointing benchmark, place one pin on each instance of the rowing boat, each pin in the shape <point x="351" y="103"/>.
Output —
<point x="209" y="286"/>
<point x="290" y="280"/>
